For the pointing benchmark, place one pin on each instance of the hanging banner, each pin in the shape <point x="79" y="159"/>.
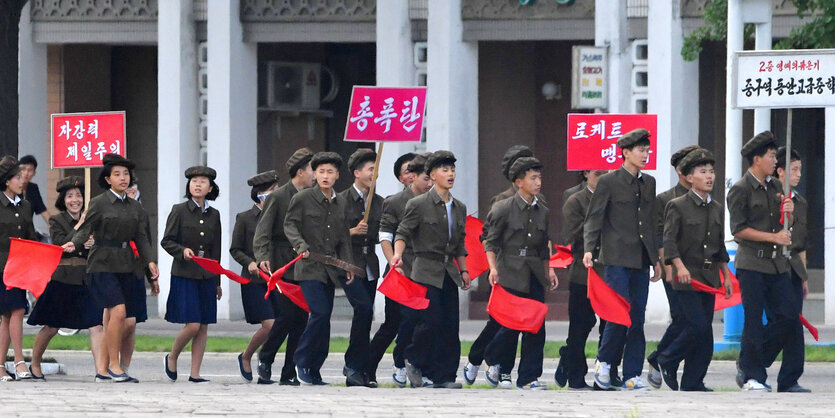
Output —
<point x="784" y="78"/>
<point x="82" y="139"/>
<point x="386" y="114"/>
<point x="593" y="137"/>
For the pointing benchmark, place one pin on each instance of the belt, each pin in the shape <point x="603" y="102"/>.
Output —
<point x="767" y="254"/>
<point x="73" y="261"/>
<point x="368" y="250"/>
<point x="113" y="244"/>
<point x="434" y="257"/>
<point x="522" y="251"/>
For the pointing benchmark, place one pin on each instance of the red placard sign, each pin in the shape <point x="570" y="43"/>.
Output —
<point x="386" y="114"/>
<point x="82" y="139"/>
<point x="593" y="137"/>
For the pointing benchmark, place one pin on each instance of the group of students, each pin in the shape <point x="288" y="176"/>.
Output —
<point x="616" y="225"/>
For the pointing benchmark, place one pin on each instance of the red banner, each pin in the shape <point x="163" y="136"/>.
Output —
<point x="386" y="114"/>
<point x="593" y="137"/>
<point x="30" y="265"/>
<point x="82" y="139"/>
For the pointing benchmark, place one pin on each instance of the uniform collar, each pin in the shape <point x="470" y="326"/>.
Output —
<point x="754" y="181"/>
<point x="114" y="197"/>
<point x="8" y="201"/>
<point x="628" y="176"/>
<point x="680" y="189"/>
<point x="524" y="204"/>
<point x="436" y="198"/>
<point x="356" y="193"/>
<point x="698" y="199"/>
<point x="192" y="205"/>
<point x="322" y="193"/>
<point x="588" y="189"/>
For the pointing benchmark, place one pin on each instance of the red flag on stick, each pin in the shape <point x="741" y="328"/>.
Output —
<point x="516" y="312"/>
<point x="213" y="266"/>
<point x="291" y="290"/>
<point x="272" y="281"/>
<point x="562" y="258"/>
<point x="476" y="256"/>
<point x="31" y="265"/>
<point x="810" y="327"/>
<point x="701" y="287"/>
<point x="607" y="303"/>
<point x="736" y="297"/>
<point x="404" y="291"/>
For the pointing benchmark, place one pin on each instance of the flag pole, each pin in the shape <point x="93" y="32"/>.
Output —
<point x="86" y="187"/>
<point x="370" y="196"/>
<point x="787" y="183"/>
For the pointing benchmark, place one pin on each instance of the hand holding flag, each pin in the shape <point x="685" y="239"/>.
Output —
<point x="30" y="265"/>
<point x="404" y="291"/>
<point x="516" y="312"/>
<point x="213" y="266"/>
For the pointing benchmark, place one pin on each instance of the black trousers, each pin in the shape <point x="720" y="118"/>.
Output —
<point x="783" y="333"/>
<point x="360" y="294"/>
<point x="384" y="336"/>
<point x="502" y="350"/>
<point x="796" y="357"/>
<point x="486" y="335"/>
<point x="435" y="347"/>
<point x="289" y="325"/>
<point x="675" y="326"/>
<point x="581" y="320"/>
<point x="694" y="341"/>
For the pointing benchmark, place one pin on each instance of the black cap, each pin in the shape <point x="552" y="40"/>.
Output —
<point x="418" y="163"/>
<point x="512" y="153"/>
<point x="70" y="182"/>
<point x="360" y="157"/>
<point x="781" y="157"/>
<point x="326" y="157"/>
<point x="398" y="164"/>
<point x="675" y="160"/>
<point x="695" y="158"/>
<point x="759" y="140"/>
<point x="437" y="159"/>
<point x="267" y="178"/>
<point x="9" y="166"/>
<point x="116" y="159"/>
<point x="201" y="170"/>
<point x="633" y="137"/>
<point x="521" y="166"/>
<point x="298" y="160"/>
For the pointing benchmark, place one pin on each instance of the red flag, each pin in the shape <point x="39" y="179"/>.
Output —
<point x="476" y="256"/>
<point x="277" y="275"/>
<point x="607" y="303"/>
<point x="736" y="297"/>
<point x="516" y="312"/>
<point x="404" y="291"/>
<point x="562" y="258"/>
<point x="213" y="266"/>
<point x="701" y="287"/>
<point x="810" y="327"/>
<point x="30" y="265"/>
<point x="291" y="290"/>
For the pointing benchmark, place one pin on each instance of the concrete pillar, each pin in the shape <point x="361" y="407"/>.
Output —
<point x="452" y="96"/>
<point x="829" y="218"/>
<point x="610" y="30"/>
<point x="177" y="143"/>
<point x="733" y="117"/>
<point x="232" y="140"/>
<point x="762" y="116"/>
<point x="33" y="120"/>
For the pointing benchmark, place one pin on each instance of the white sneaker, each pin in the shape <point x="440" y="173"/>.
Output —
<point x="635" y="383"/>
<point x="752" y="385"/>
<point x="505" y="382"/>
<point x="492" y="375"/>
<point x="601" y="374"/>
<point x="399" y="377"/>
<point x="470" y="373"/>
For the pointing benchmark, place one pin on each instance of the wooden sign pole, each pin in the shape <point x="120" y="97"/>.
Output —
<point x="86" y="187"/>
<point x="370" y="196"/>
<point x="787" y="180"/>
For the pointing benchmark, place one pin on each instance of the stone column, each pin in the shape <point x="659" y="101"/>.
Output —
<point x="610" y="30"/>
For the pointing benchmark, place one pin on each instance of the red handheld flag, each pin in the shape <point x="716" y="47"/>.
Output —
<point x="291" y="290"/>
<point x="562" y="258"/>
<point x="404" y="291"/>
<point x="516" y="312"/>
<point x="30" y="265"/>
<point x="810" y="327"/>
<point x="736" y="297"/>
<point x="213" y="266"/>
<point x="701" y="287"/>
<point x="277" y="275"/>
<point x="476" y="256"/>
<point x="607" y="303"/>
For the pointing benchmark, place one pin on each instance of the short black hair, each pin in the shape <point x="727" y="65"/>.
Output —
<point x="760" y="151"/>
<point x="403" y="159"/>
<point x="639" y="143"/>
<point x="212" y="194"/>
<point x="28" y="159"/>
<point x="781" y="158"/>
<point x="693" y="168"/>
<point x="8" y="177"/>
<point x="107" y="170"/>
<point x="59" y="202"/>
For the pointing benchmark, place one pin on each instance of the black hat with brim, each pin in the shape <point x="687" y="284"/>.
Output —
<point x="70" y="182"/>
<point x="418" y="163"/>
<point x="633" y="137"/>
<point x="267" y="178"/>
<point x="298" y="160"/>
<point x="522" y="165"/>
<point x="360" y="157"/>
<point x="758" y="141"/>
<point x="438" y="159"/>
<point x="201" y="170"/>
<point x="675" y="160"/>
<point x="326" y="157"/>
<point x="512" y="153"/>
<point x="695" y="158"/>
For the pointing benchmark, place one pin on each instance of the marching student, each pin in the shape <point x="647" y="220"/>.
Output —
<point x="694" y="245"/>
<point x="654" y="373"/>
<point x="273" y="250"/>
<point x="518" y="255"/>
<point x="364" y="234"/>
<point x="395" y="324"/>
<point x="257" y="310"/>
<point x="315" y="223"/>
<point x="401" y="169"/>
<point x="15" y="222"/>
<point x="434" y="223"/>
<point x="582" y="177"/>
<point x="114" y="220"/>
<point x="192" y="229"/>
<point x="621" y="221"/>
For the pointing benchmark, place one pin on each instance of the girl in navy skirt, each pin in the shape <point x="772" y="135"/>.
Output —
<point x="67" y="302"/>
<point x="192" y="229"/>
<point x="15" y="222"/>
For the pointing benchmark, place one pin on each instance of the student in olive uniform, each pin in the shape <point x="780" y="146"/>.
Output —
<point x="66" y="302"/>
<point x="572" y="366"/>
<point x="763" y="270"/>
<point x="518" y="255"/>
<point x="654" y="373"/>
<point x="257" y="310"/>
<point x="395" y="324"/>
<point x="694" y="244"/>
<point x="272" y="251"/>
<point x="315" y="223"/>
<point x="193" y="229"/>
<point x="582" y="177"/>
<point x="114" y="220"/>
<point x="621" y="220"/>
<point x="401" y="169"/>
<point x="15" y="222"/>
<point x="434" y="223"/>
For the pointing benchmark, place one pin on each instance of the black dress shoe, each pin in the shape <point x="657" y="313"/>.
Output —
<point x="198" y="380"/>
<point x="356" y="379"/>
<point x="265" y="370"/>
<point x="261" y="381"/>
<point x="560" y="376"/>
<point x="289" y="382"/>
<point x="670" y="376"/>
<point x="793" y="389"/>
<point x="172" y="376"/>
<point x="246" y="375"/>
<point x="583" y="386"/>
<point x="34" y="376"/>
<point x="447" y="385"/>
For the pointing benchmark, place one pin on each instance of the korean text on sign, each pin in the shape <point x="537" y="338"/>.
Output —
<point x="784" y="79"/>
<point x="82" y="139"/>
<point x="592" y="139"/>
<point x="386" y="114"/>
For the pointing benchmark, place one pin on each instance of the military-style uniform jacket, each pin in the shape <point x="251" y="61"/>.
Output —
<point x="694" y="230"/>
<point x="621" y="219"/>
<point x="753" y="206"/>
<point x="363" y="245"/>
<point x="73" y="266"/>
<point x="425" y="224"/>
<point x="190" y="226"/>
<point x="800" y="234"/>
<point x="15" y="222"/>
<point x="316" y="224"/>
<point x="574" y="215"/>
<point x="114" y="222"/>
<point x="571" y="190"/>
<point x="241" y="246"/>
<point x="394" y="207"/>
<point x="518" y="234"/>
<point x="661" y="201"/>
<point x="270" y="243"/>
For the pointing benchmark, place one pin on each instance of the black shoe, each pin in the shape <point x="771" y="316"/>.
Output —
<point x="198" y="380"/>
<point x="583" y="386"/>
<point x="265" y="370"/>
<point x="357" y="379"/>
<point x="346" y="371"/>
<point x="740" y="376"/>
<point x="372" y="380"/>
<point x="247" y="376"/>
<point x="560" y="376"/>
<point x="617" y="382"/>
<point x="793" y="389"/>
<point x="670" y="376"/>
<point x="132" y="379"/>
<point x="261" y="381"/>
<point x="172" y="376"/>
<point x="448" y="385"/>
<point x="305" y="375"/>
<point x="34" y="376"/>
<point x="700" y="388"/>
<point x="289" y="382"/>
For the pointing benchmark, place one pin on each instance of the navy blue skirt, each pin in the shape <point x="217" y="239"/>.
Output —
<point x="192" y="301"/>
<point x="140" y="305"/>
<point x="12" y="299"/>
<point x="112" y="289"/>
<point x="256" y="308"/>
<point x="65" y="305"/>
